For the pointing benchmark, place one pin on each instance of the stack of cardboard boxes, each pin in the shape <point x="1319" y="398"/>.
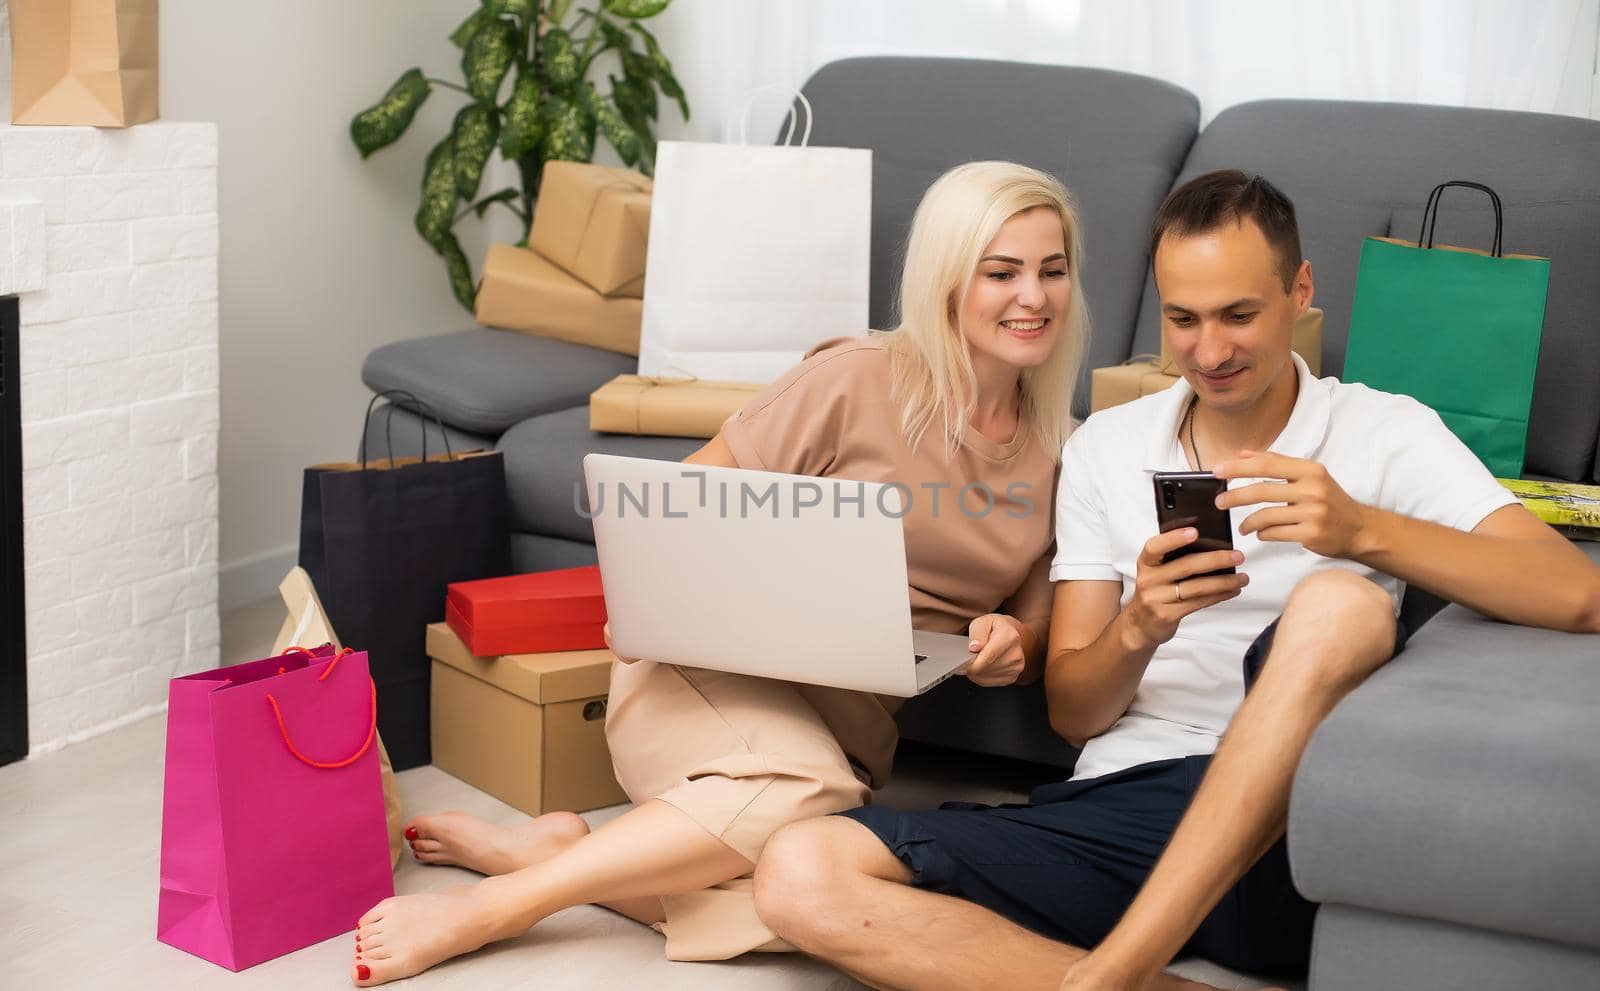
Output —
<point x="520" y="677"/>
<point x="581" y="277"/>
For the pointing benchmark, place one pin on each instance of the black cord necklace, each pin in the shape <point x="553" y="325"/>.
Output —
<point x="1192" y="446"/>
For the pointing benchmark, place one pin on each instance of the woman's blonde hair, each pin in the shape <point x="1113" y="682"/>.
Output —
<point x="932" y="372"/>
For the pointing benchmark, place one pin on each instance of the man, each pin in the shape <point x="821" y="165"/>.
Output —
<point x="1168" y="837"/>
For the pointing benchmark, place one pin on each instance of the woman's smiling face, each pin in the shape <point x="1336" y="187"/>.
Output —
<point x="1018" y="296"/>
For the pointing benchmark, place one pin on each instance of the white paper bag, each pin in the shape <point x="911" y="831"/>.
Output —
<point x="756" y="253"/>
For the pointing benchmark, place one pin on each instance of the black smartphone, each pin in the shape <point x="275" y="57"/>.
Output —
<point x="1189" y="498"/>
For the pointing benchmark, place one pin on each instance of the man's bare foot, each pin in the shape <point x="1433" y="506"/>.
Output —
<point x="404" y="936"/>
<point x="462" y="840"/>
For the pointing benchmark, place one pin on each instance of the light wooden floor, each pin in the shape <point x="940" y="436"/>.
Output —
<point x="79" y="877"/>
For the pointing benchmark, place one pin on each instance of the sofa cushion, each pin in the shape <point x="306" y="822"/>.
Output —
<point x="544" y="468"/>
<point x="532" y="552"/>
<point x="1361" y="169"/>
<point x="921" y="116"/>
<point x="1357" y="950"/>
<point x="1458" y="783"/>
<point x="484" y="380"/>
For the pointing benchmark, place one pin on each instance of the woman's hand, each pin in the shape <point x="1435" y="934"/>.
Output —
<point x="607" y="631"/>
<point x="997" y="644"/>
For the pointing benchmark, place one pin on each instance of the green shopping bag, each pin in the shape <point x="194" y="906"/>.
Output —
<point x="1455" y="328"/>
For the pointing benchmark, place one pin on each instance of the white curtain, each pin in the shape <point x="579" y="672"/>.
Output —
<point x="1537" y="55"/>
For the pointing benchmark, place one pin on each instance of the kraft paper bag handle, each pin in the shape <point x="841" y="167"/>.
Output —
<point x="372" y="730"/>
<point x="750" y="104"/>
<point x="388" y="425"/>
<point x="1430" y="213"/>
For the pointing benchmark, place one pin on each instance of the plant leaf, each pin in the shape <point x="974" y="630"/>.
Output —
<point x="455" y="262"/>
<point x="637" y="73"/>
<point x="523" y="127"/>
<point x="560" y="58"/>
<point x="558" y="11"/>
<point x="469" y="27"/>
<point x="615" y="37"/>
<point x="505" y="195"/>
<point x="382" y="123"/>
<point x="569" y="130"/>
<point x="476" y="129"/>
<point x="635" y="9"/>
<point x="487" y="58"/>
<point x="661" y="69"/>
<point x="612" y="125"/>
<point x="436" y="212"/>
<point x="511" y="8"/>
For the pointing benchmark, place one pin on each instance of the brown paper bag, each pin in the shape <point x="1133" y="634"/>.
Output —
<point x="662" y="407"/>
<point x="521" y="290"/>
<point x="307" y="626"/>
<point x="84" y="62"/>
<point x="594" y="222"/>
<point x="1306" y="340"/>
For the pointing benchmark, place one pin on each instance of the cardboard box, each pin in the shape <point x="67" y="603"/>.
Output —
<point x="1306" y="340"/>
<point x="662" y="407"/>
<point x="1144" y="374"/>
<point x="526" y="292"/>
<point x="528" y="729"/>
<point x="1125" y="382"/>
<point x="528" y="614"/>
<point x="594" y="221"/>
<point x="90" y="62"/>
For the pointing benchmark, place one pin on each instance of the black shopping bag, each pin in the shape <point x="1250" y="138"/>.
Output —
<point x="381" y="540"/>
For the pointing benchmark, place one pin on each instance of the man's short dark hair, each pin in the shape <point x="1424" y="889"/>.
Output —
<point x="1229" y="196"/>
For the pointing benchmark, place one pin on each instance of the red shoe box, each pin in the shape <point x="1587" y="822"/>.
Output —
<point x="529" y="614"/>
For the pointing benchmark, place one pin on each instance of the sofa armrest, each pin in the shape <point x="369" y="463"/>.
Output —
<point x="484" y="381"/>
<point x="1461" y="783"/>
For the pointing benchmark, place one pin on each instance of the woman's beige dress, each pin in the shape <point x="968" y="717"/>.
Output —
<point x="744" y="756"/>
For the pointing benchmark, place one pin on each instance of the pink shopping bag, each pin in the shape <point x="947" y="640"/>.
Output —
<point x="272" y="821"/>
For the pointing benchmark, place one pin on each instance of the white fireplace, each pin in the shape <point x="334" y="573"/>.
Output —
<point x="109" y="239"/>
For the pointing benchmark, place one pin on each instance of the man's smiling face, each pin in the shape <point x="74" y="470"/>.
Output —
<point x="1225" y="313"/>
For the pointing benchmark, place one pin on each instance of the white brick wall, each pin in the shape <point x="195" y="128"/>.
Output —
<point x="117" y="232"/>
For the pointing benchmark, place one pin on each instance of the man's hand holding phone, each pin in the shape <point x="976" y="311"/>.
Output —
<point x="1316" y="512"/>
<point x="1165" y="593"/>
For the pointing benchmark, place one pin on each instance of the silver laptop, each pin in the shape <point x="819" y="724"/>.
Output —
<point x="778" y="576"/>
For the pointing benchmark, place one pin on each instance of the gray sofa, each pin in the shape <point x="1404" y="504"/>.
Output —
<point x="1443" y="811"/>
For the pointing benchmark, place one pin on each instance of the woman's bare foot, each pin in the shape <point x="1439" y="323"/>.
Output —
<point x="1077" y="978"/>
<point x="466" y="841"/>
<point x="406" y="935"/>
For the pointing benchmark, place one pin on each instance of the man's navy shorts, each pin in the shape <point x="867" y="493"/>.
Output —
<point x="1068" y="863"/>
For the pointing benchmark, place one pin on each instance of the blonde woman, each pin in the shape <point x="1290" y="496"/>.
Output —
<point x="965" y="402"/>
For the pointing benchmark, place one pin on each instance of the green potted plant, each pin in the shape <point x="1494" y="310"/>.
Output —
<point x="547" y="50"/>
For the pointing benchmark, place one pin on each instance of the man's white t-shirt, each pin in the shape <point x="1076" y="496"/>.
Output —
<point x="1385" y="450"/>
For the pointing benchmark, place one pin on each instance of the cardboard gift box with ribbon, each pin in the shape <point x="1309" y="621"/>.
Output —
<point x="1138" y="376"/>
<point x="1305" y="340"/>
<point x="1143" y="374"/>
<point x="524" y="291"/>
<point x="525" y="614"/>
<point x="666" y="407"/>
<point x="594" y="222"/>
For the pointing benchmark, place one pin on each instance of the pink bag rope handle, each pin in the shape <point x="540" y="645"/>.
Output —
<point x="372" y="732"/>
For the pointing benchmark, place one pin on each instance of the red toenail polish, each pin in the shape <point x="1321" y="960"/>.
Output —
<point x="411" y="832"/>
<point x="363" y="972"/>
